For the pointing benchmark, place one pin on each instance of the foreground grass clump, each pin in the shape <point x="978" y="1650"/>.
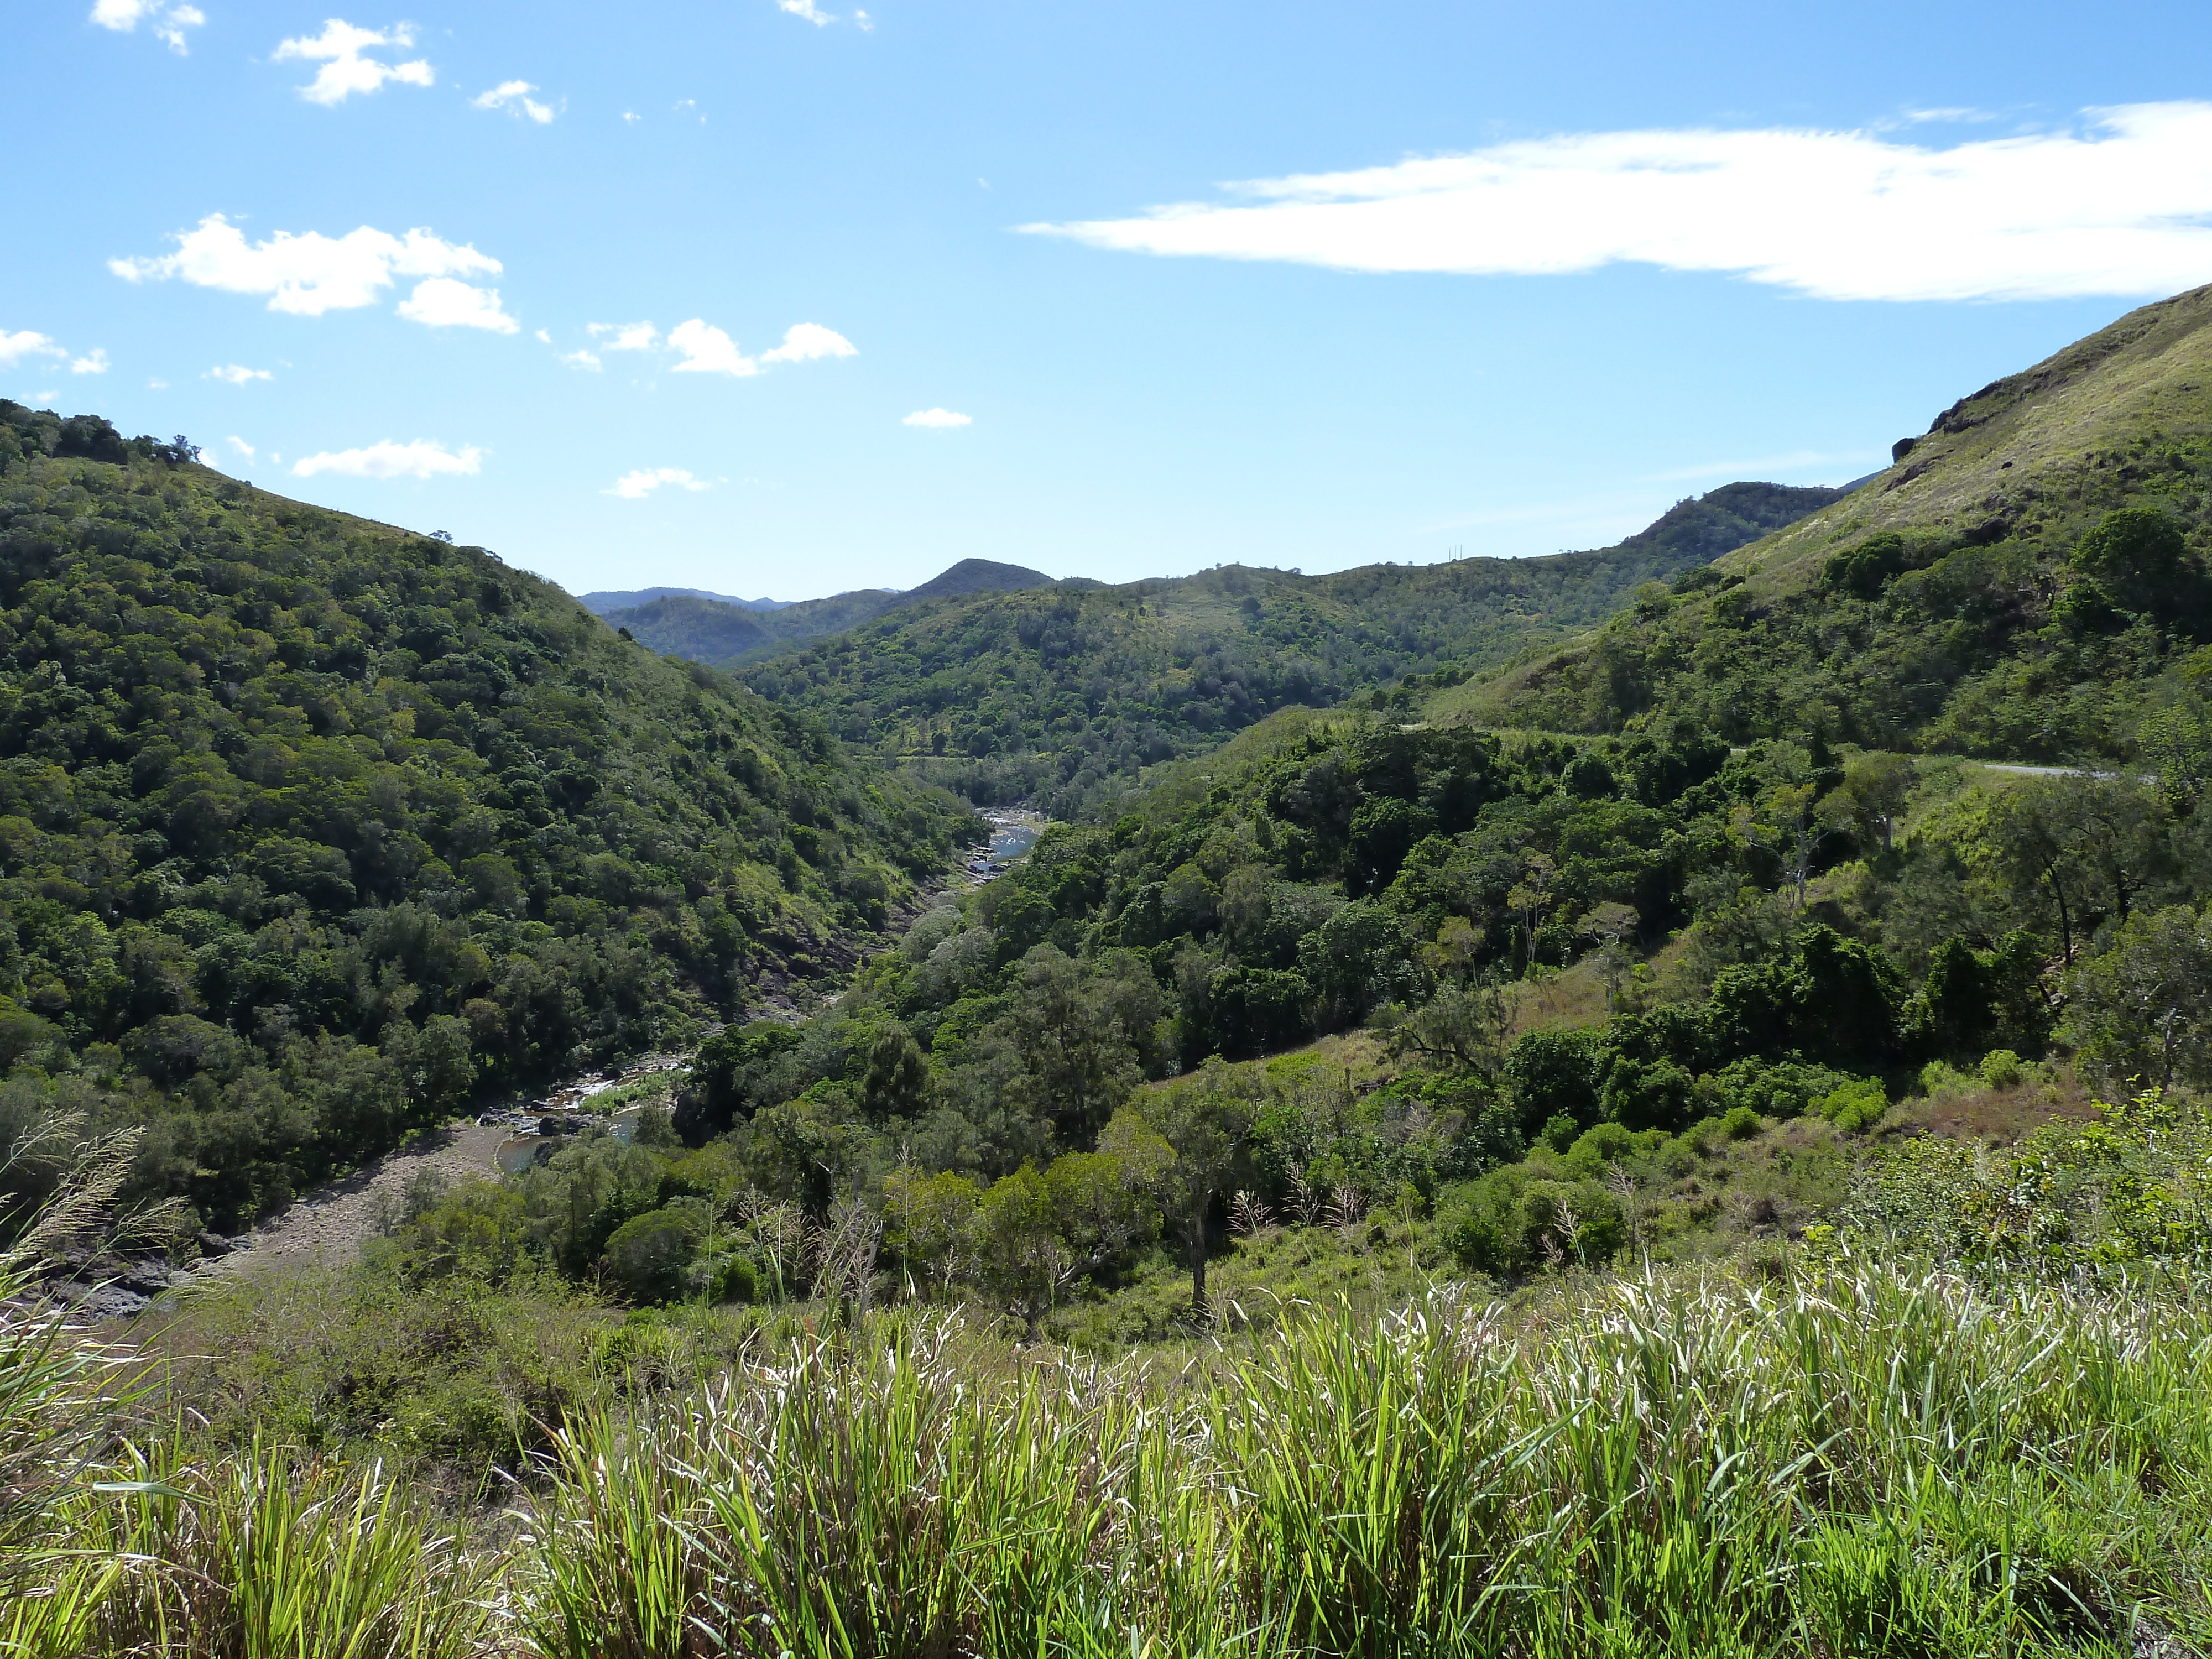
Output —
<point x="1855" y="1461"/>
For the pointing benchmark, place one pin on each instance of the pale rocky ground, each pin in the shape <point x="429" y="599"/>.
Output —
<point x="329" y="1226"/>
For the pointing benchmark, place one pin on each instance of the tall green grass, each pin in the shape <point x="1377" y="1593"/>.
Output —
<point x="1860" y="1461"/>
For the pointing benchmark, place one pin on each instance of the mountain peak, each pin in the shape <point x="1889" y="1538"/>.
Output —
<point x="978" y="576"/>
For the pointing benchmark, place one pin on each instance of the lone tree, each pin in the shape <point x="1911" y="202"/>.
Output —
<point x="1204" y="1120"/>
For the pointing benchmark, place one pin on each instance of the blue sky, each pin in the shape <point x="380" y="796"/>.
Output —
<point x="1481" y="278"/>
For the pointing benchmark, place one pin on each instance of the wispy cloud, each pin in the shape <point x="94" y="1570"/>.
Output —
<point x="938" y="419"/>
<point x="341" y="49"/>
<point x="244" y="448"/>
<point x="93" y="362"/>
<point x="169" y="22"/>
<point x="514" y="97"/>
<point x="2121" y="206"/>
<point x="24" y="344"/>
<point x="423" y="459"/>
<point x="443" y="303"/>
<point x="635" y="486"/>
<point x="237" y="374"/>
<point x="579" y="358"/>
<point x="624" y="336"/>
<point x="807" y="10"/>
<point x="304" y="275"/>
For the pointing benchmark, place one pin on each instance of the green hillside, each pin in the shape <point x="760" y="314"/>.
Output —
<point x="707" y="629"/>
<point x="1062" y="696"/>
<point x="1977" y="597"/>
<point x="311" y="827"/>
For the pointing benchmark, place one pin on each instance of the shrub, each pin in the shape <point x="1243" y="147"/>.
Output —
<point x="2002" y="1069"/>
<point x="1511" y="1222"/>
<point x="1647" y="1095"/>
<point x="1740" y="1123"/>
<point x="646" y="1258"/>
<point x="1857" y="1106"/>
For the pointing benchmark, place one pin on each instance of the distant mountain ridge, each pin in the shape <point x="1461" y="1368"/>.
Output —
<point x="1061" y="695"/>
<point x="713" y="630"/>
<point x="600" y="603"/>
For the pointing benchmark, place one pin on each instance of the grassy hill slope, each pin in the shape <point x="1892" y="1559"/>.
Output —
<point x="1064" y="694"/>
<point x="312" y="827"/>
<point x="1959" y="601"/>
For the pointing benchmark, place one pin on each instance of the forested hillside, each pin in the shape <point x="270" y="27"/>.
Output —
<point x="1061" y="695"/>
<point x="2026" y="582"/>
<point x="312" y="828"/>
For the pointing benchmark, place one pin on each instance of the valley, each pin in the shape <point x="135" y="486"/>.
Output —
<point x="1651" y="1099"/>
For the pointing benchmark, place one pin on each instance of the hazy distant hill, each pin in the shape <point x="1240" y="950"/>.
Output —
<point x="1972" y="597"/>
<point x="1065" y="692"/>
<point x="711" y="630"/>
<point x="601" y="603"/>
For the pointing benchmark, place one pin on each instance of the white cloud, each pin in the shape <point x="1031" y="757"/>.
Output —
<point x="2121" y="207"/>
<point x="170" y="31"/>
<point x="707" y="350"/>
<point x="442" y="302"/>
<point x="632" y="117"/>
<point x="241" y="445"/>
<point x="93" y="363"/>
<point x="579" y="359"/>
<point x="807" y="10"/>
<point x="237" y="374"/>
<point x="345" y="71"/>
<point x="635" y="486"/>
<point x="866" y="23"/>
<point x="624" y="336"/>
<point x="25" y="343"/>
<point x="157" y="384"/>
<point x="938" y="419"/>
<point x="514" y="97"/>
<point x="805" y="342"/>
<point x="541" y="336"/>
<point x="421" y="460"/>
<point x="305" y="274"/>
<point x="169" y="24"/>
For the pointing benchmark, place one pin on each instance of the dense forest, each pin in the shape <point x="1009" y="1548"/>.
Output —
<point x="1023" y="1099"/>
<point x="1060" y="696"/>
<point x="312" y="830"/>
<point x="1977" y="599"/>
